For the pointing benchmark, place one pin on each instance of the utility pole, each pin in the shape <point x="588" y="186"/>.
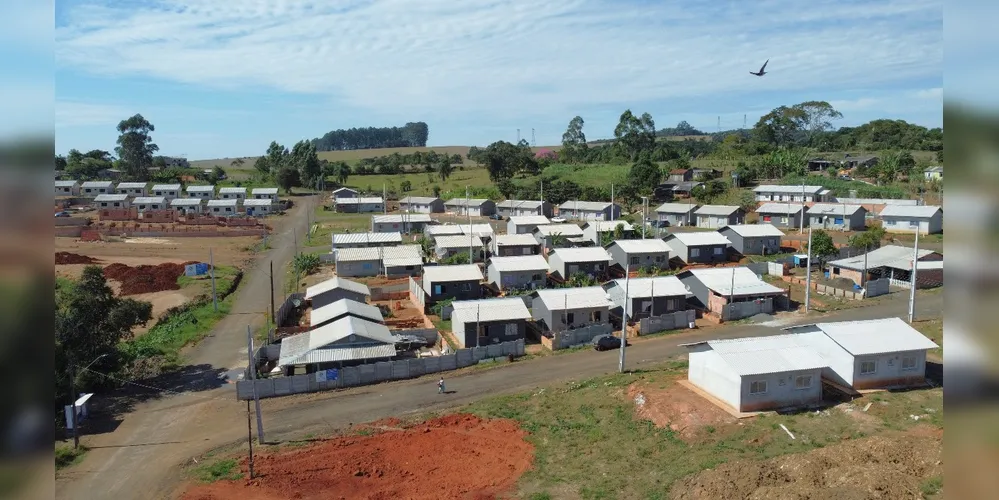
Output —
<point x="211" y="268"/>
<point x="645" y="216"/>
<point x="273" y="314"/>
<point x="253" y="380"/>
<point x="624" y="321"/>
<point x="471" y="235"/>
<point x="249" y="436"/>
<point x="384" y="200"/>
<point x="72" y="405"/>
<point x="912" y="278"/>
<point x="478" y="306"/>
<point x="808" y="270"/>
<point x="802" y="230"/>
<point x="612" y="199"/>
<point x="863" y="276"/>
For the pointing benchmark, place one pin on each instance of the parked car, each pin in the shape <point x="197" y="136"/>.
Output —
<point x="606" y="342"/>
<point x="63" y="214"/>
<point x="496" y="217"/>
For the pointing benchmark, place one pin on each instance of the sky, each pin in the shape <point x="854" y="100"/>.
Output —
<point x="223" y="79"/>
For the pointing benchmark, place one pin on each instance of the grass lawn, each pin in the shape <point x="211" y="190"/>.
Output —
<point x="589" y="443"/>
<point x="66" y="455"/>
<point x="933" y="329"/>
<point x="423" y="183"/>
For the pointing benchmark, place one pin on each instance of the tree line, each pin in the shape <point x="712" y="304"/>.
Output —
<point x="412" y="134"/>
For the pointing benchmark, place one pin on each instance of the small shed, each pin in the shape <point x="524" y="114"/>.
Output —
<point x="132" y="189"/>
<point x="168" y="191"/>
<point x="505" y="245"/>
<point x="753" y="239"/>
<point x="698" y="247"/>
<point x="592" y="261"/>
<point x="520" y="272"/>
<point x="422" y="204"/>
<point x="201" y="192"/>
<point x="489" y="321"/>
<point x="716" y="216"/>
<point x="334" y="289"/>
<point x="837" y="216"/>
<point x="757" y="374"/>
<point x="223" y="207"/>
<point x="632" y="255"/>
<point x="525" y="224"/>
<point x="645" y="297"/>
<point x="872" y="354"/>
<point x="563" y="309"/>
<point x="460" y="282"/>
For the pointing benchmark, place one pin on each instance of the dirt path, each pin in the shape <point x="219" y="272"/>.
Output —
<point x="138" y="459"/>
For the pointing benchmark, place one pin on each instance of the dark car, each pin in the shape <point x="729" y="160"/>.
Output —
<point x="496" y="217"/>
<point x="606" y="342"/>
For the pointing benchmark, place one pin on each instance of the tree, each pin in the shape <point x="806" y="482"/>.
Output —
<point x="60" y="163"/>
<point x="506" y="187"/>
<point x="91" y="323"/>
<point x="426" y="244"/>
<point x="217" y="174"/>
<point x="456" y="259"/>
<point x="413" y="134"/>
<point x="574" y="141"/>
<point x="822" y="247"/>
<point x="635" y="134"/>
<point x="341" y="171"/>
<point x="559" y="240"/>
<point x="816" y="117"/>
<point x="277" y="157"/>
<point x="709" y="191"/>
<point x="644" y="177"/>
<point x="782" y="126"/>
<point x="288" y="178"/>
<point x="87" y="166"/>
<point x="867" y="240"/>
<point x="303" y="158"/>
<point x="444" y="170"/>
<point x="237" y="163"/>
<point x="135" y="147"/>
<point x="262" y="166"/>
<point x="406" y="186"/>
<point x="747" y="201"/>
<point x="437" y="191"/>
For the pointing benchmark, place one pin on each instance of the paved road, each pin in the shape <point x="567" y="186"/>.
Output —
<point x="124" y="463"/>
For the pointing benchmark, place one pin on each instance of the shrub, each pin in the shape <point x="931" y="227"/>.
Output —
<point x="306" y="263"/>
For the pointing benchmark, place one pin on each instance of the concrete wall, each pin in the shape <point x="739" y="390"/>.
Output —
<point x="662" y="322"/>
<point x="579" y="336"/>
<point x="782" y="391"/>
<point x="738" y="310"/>
<point x="707" y="370"/>
<point x="373" y="373"/>
<point x="889" y="371"/>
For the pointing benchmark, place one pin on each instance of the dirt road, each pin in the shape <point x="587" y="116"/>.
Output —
<point x="143" y="458"/>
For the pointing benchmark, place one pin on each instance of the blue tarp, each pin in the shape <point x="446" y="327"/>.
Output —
<point x="195" y="269"/>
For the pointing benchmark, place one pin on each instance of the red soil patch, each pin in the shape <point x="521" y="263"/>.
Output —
<point x="677" y="408"/>
<point x="65" y="258"/>
<point x="145" y="279"/>
<point x="455" y="456"/>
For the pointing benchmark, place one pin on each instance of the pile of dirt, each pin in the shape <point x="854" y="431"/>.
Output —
<point x="145" y="278"/>
<point x="455" y="456"/>
<point x="65" y="258"/>
<point x="884" y="466"/>
<point x="677" y="408"/>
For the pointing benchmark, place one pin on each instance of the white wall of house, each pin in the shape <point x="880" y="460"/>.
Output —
<point x="707" y="370"/>
<point x="782" y="390"/>
<point x="932" y="225"/>
<point x="222" y="210"/>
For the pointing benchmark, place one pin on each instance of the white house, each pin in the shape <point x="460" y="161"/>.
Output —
<point x="187" y="205"/>
<point x="504" y="245"/>
<point x="525" y="224"/>
<point x="223" y="207"/>
<point x="589" y="210"/>
<point x="258" y="206"/>
<point x="545" y="235"/>
<point x="716" y="216"/>
<point x="232" y="193"/>
<point x="870" y="354"/>
<point x="927" y="219"/>
<point x="422" y="204"/>
<point x="753" y="239"/>
<point x="132" y="189"/>
<point x="201" y="192"/>
<point x="344" y="192"/>
<point x="145" y="203"/>
<point x="489" y="321"/>
<point x="484" y="231"/>
<point x="360" y="204"/>
<point x="112" y="201"/>
<point x="592" y="261"/>
<point x="478" y="207"/>
<point x="933" y="173"/>
<point x="677" y="214"/>
<point x="770" y="192"/>
<point x="266" y="193"/>
<point x="90" y="189"/>
<point x="837" y="216"/>
<point x="400" y="223"/>
<point x="360" y="240"/>
<point x="561" y="309"/>
<point x="358" y="262"/>
<point x="67" y="188"/>
<point x="511" y="208"/>
<point x="524" y="271"/>
<point x="715" y="288"/>
<point x="349" y="340"/>
<point x="633" y="255"/>
<point x="650" y="296"/>
<point x="168" y="191"/>
<point x="757" y="374"/>
<point x="594" y="230"/>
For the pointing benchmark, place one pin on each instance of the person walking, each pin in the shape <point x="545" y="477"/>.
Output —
<point x="440" y="386"/>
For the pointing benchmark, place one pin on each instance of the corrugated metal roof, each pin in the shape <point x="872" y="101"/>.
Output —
<point x="608" y="225"/>
<point x="717" y="210"/>
<point x="131" y="185"/>
<point x="223" y="203"/>
<point x="779" y="208"/>
<point x="481" y="230"/>
<point x="585" y="254"/>
<point x="402" y="255"/>
<point x="418" y="200"/>
<point x="345" y="306"/>
<point x="442" y="230"/>
<point x="677" y="208"/>
<point x="360" y="201"/>
<point x="660" y="286"/>
<point x="876" y="201"/>
<point x="771" y="188"/>
<point x="590" y="206"/>
<point x="341" y="354"/>
<point x="461" y="202"/>
<point x="265" y="191"/>
<point x="721" y="279"/>
<point x="333" y="284"/>
<point x="200" y="189"/>
<point x="504" y="240"/>
<point x="650" y="245"/>
<point x="889" y="255"/>
<point x="921" y="211"/>
<point x="443" y="274"/>
<point x="185" y="202"/>
<point x="764" y="355"/>
<point x="111" y="197"/>
<point x="560" y="299"/>
<point x="876" y="336"/>
<point x="457" y="241"/>
<point x="501" y="309"/>
<point x="566" y="230"/>
<point x="754" y="230"/>
<point x="519" y="263"/>
<point x="339" y="190"/>
<point x="529" y="204"/>
<point x="358" y="254"/>
<point x="699" y="238"/>
<point x="366" y="238"/>
<point x="96" y="184"/>
<point x="523" y="220"/>
<point x="149" y="199"/>
<point x="253" y="202"/>
<point x="166" y="187"/>
<point x="400" y="218"/>
<point x="66" y="184"/>
<point x="833" y="209"/>
<point x="232" y="190"/>
<point x="358" y="333"/>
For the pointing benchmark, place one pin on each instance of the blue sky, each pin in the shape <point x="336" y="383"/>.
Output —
<point x="223" y="79"/>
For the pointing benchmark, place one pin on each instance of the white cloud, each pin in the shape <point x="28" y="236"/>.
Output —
<point x="85" y="114"/>
<point x="506" y="58"/>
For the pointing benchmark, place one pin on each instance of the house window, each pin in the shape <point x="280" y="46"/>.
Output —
<point x="719" y="250"/>
<point x="913" y="224"/>
<point x="228" y="209"/>
<point x="758" y="387"/>
<point x="159" y="193"/>
<point x="634" y="260"/>
<point x="535" y="277"/>
<point x="568" y="318"/>
<point x="660" y="258"/>
<point x="908" y="363"/>
<point x="783" y="220"/>
<point x="117" y="204"/>
<point x="695" y="252"/>
<point x="599" y="267"/>
<point x="803" y="382"/>
<point x="466" y="287"/>
<point x="868" y="367"/>
<point x="596" y="316"/>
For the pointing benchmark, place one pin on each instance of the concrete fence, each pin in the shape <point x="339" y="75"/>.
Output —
<point x="776" y="269"/>
<point x="878" y="287"/>
<point x="828" y="290"/>
<point x="416" y="293"/>
<point x="739" y="310"/>
<point x="281" y="315"/>
<point x="672" y="321"/>
<point x="578" y="336"/>
<point x="338" y="378"/>
<point x="327" y="258"/>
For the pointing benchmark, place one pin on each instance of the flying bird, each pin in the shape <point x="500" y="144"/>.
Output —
<point x="762" y="70"/>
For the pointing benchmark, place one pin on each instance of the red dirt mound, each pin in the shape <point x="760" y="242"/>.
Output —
<point x="455" y="456"/>
<point x="145" y="279"/>
<point x="62" y="258"/>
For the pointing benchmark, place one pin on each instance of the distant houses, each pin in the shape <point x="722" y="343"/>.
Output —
<point x="475" y="207"/>
<point x="753" y="239"/>
<point x="589" y="210"/>
<point x="770" y="192"/>
<point x="422" y="204"/>
<point x="513" y="208"/>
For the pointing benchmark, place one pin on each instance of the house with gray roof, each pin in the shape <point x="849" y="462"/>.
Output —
<point x="405" y="223"/>
<point x="476" y="207"/>
<point x="168" y="191"/>
<point x="525" y="224"/>
<point x="565" y="262"/>
<point x="511" y="208"/>
<point x="358" y="262"/>
<point x="517" y="272"/>
<point x="367" y="239"/>
<point x="149" y="203"/>
<point x="589" y="210"/>
<point x="344" y="308"/>
<point x="264" y="193"/>
<point x="187" y="205"/>
<point x="422" y="205"/>
<point x="334" y="289"/>
<point x="507" y="245"/>
<point x="111" y="201"/>
<point x="67" y="188"/>
<point x="716" y="287"/>
<point x="451" y="245"/>
<point x="799" y="193"/>
<point x="201" y="192"/>
<point x="132" y="189"/>
<point x="753" y="239"/>
<point x="561" y="309"/>
<point x="548" y="236"/>
<point x="632" y="255"/>
<point x="698" y="247"/>
<point x="346" y="342"/>
<point x="459" y="282"/>
<point x="927" y="219"/>
<point x="90" y="189"/>
<point x="359" y="204"/>
<point x="223" y="208"/>
<point x="716" y="216"/>
<point x="786" y="215"/>
<point x="476" y="323"/>
<point x="650" y="296"/>
<point x="232" y="193"/>
<point x="837" y="216"/>
<point x="677" y="214"/>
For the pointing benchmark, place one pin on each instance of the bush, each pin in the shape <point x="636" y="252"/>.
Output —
<point x="306" y="263"/>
